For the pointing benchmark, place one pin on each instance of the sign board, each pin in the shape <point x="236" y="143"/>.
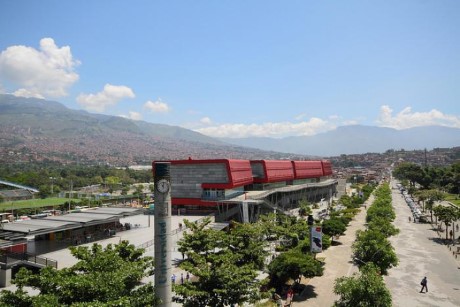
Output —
<point x="316" y="239"/>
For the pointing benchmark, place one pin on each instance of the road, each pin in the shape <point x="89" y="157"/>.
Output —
<point x="421" y="253"/>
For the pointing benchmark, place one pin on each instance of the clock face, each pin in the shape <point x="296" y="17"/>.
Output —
<point x="163" y="186"/>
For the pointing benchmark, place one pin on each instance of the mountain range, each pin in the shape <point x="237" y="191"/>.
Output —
<point x="357" y="139"/>
<point x="39" y="130"/>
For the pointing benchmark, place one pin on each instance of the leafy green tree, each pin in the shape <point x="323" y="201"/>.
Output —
<point x="293" y="264"/>
<point x="224" y="277"/>
<point x="109" y="276"/>
<point x="373" y="246"/>
<point x="304" y="208"/>
<point x="410" y="171"/>
<point x="334" y="227"/>
<point x="366" y="289"/>
<point x="383" y="226"/>
<point x="446" y="215"/>
<point x="248" y="241"/>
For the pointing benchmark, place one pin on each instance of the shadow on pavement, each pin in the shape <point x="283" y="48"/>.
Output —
<point x="336" y="243"/>
<point x="305" y="292"/>
<point x="441" y="241"/>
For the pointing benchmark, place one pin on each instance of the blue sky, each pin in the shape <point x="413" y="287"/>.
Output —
<point x="239" y="68"/>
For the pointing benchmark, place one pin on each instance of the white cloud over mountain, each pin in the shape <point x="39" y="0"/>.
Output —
<point x="402" y="120"/>
<point x="157" y="106"/>
<point x="270" y="129"/>
<point x="44" y="73"/>
<point x="110" y="95"/>
<point x="408" y="119"/>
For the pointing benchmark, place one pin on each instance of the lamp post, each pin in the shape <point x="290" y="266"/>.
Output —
<point x="52" y="185"/>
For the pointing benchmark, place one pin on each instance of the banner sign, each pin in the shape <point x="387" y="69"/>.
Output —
<point x="316" y="239"/>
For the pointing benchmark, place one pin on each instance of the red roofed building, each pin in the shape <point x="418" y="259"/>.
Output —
<point x="200" y="183"/>
<point x="271" y="171"/>
<point x="226" y="185"/>
<point x="327" y="167"/>
<point x="308" y="170"/>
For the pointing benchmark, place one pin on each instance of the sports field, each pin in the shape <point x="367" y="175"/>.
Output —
<point x="35" y="203"/>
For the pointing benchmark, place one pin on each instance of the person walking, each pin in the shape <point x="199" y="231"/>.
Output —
<point x="424" y="284"/>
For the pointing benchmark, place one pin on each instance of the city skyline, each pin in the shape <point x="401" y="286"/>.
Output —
<point x="236" y="69"/>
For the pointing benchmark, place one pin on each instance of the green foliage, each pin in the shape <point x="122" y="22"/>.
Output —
<point x="304" y="208"/>
<point x="225" y="264"/>
<point x="334" y="227"/>
<point x="382" y="225"/>
<point x="291" y="265"/>
<point x="107" y="276"/>
<point x="39" y="175"/>
<point x="366" y="289"/>
<point x="442" y="178"/>
<point x="373" y="246"/>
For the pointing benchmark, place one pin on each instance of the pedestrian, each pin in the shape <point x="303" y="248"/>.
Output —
<point x="409" y="218"/>
<point x="181" y="278"/>
<point x="424" y="284"/>
<point x="187" y="276"/>
<point x="173" y="278"/>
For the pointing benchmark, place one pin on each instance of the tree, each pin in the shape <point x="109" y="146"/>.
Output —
<point x="248" y="241"/>
<point x="304" y="208"/>
<point x="373" y="246"/>
<point x="293" y="264"/>
<point x="364" y="289"/>
<point x="446" y="215"/>
<point x="109" y="276"/>
<point x="383" y="226"/>
<point x="410" y="171"/>
<point x="334" y="227"/>
<point x="216" y="258"/>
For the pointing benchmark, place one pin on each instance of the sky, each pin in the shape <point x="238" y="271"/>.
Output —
<point x="239" y="68"/>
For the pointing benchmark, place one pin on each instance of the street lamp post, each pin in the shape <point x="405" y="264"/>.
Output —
<point x="52" y="185"/>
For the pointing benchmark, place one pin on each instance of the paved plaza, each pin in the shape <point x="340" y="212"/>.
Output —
<point x="419" y="248"/>
<point x="421" y="253"/>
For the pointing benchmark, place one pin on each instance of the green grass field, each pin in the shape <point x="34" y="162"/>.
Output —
<point x="34" y="203"/>
<point x="453" y="198"/>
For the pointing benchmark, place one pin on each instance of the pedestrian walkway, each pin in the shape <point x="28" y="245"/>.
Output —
<point x="338" y="263"/>
<point x="421" y="253"/>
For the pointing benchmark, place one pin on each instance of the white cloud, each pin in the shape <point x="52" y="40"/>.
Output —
<point x="157" y="106"/>
<point x="311" y="127"/>
<point x="132" y="115"/>
<point x="205" y="121"/>
<point x="47" y="72"/>
<point x="110" y="95"/>
<point x="408" y="119"/>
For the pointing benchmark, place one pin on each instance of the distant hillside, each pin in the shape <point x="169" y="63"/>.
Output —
<point x="357" y="139"/>
<point x="38" y="130"/>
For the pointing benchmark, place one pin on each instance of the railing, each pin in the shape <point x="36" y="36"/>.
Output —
<point x="15" y="258"/>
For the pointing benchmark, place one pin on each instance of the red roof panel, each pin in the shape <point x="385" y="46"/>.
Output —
<point x="307" y="169"/>
<point x="275" y="170"/>
<point x="327" y="167"/>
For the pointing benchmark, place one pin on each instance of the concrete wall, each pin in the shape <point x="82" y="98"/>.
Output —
<point x="187" y="178"/>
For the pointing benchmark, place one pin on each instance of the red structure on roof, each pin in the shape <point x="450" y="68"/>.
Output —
<point x="307" y="169"/>
<point x="327" y="167"/>
<point x="267" y="171"/>
<point x="239" y="172"/>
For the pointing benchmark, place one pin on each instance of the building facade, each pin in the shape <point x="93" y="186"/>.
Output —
<point x="243" y="189"/>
